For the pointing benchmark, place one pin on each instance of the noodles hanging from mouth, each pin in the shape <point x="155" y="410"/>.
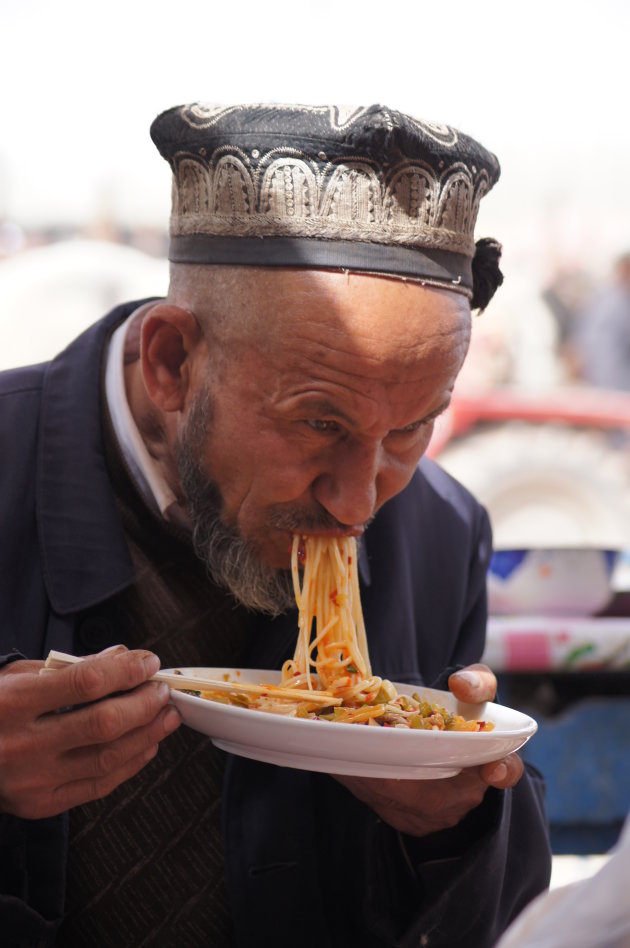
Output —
<point x="328" y="600"/>
<point x="331" y="654"/>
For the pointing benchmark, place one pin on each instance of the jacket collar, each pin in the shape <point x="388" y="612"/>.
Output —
<point x="84" y="553"/>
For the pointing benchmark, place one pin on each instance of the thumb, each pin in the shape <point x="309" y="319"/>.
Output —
<point x="473" y="684"/>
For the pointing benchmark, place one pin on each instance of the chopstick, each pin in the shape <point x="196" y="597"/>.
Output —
<point x="58" y="660"/>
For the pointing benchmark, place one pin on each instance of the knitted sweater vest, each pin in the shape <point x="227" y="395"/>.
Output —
<point x="145" y="865"/>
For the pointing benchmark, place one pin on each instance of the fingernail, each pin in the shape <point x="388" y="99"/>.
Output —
<point x="172" y="720"/>
<point x="114" y="648"/>
<point x="471" y="678"/>
<point x="150" y="752"/>
<point x="152" y="664"/>
<point x="163" y="691"/>
<point x="499" y="773"/>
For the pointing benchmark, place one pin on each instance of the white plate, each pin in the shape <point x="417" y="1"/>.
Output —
<point x="337" y="748"/>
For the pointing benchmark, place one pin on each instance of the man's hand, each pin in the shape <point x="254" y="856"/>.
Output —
<point x="420" y="807"/>
<point x="52" y="758"/>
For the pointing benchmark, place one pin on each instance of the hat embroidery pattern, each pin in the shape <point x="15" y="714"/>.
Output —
<point x="200" y="115"/>
<point x="288" y="192"/>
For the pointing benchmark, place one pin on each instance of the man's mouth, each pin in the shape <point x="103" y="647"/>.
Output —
<point x="313" y="524"/>
<point x="355" y="530"/>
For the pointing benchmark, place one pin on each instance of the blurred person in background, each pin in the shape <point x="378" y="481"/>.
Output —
<point x="601" y="337"/>
<point x="566" y="294"/>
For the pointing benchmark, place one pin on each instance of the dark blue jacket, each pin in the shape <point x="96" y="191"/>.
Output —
<point x="298" y="846"/>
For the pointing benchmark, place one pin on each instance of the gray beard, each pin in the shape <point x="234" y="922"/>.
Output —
<point x="233" y="562"/>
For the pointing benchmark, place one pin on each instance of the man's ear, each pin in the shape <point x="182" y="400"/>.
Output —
<point x="170" y="336"/>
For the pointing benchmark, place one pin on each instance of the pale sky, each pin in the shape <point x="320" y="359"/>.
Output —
<point x="543" y="84"/>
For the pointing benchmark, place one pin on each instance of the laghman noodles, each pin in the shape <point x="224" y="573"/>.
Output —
<point x="331" y="654"/>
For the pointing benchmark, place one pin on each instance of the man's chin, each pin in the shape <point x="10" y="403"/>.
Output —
<point x="277" y="559"/>
<point x="273" y="549"/>
<point x="258" y="576"/>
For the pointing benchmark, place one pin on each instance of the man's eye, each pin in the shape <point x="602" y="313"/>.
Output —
<point x="320" y="424"/>
<point x="414" y="426"/>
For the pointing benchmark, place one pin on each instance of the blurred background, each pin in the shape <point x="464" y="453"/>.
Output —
<point x="539" y="424"/>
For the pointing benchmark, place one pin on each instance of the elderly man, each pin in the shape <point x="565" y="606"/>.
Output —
<point x="323" y="272"/>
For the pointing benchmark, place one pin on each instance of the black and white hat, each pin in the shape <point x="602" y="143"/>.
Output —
<point x="364" y="189"/>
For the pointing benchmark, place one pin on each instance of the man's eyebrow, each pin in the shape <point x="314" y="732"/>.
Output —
<point x="431" y="416"/>
<point x="323" y="406"/>
<point x="438" y="411"/>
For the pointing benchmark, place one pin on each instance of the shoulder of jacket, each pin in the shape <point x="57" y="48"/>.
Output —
<point x="25" y="379"/>
<point x="444" y="484"/>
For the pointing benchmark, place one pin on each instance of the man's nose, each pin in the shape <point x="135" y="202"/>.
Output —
<point x="348" y="489"/>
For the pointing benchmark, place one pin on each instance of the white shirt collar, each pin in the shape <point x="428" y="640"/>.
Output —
<point x="143" y="468"/>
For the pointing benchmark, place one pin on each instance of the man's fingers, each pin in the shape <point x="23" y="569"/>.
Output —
<point x="103" y="721"/>
<point x="503" y="773"/>
<point x="38" y="792"/>
<point x="100" y="761"/>
<point x="473" y="684"/>
<point x="76" y="733"/>
<point x="77" y="792"/>
<point x="92" y="679"/>
<point x="21" y="666"/>
<point x="476" y="684"/>
<point x="420" y="807"/>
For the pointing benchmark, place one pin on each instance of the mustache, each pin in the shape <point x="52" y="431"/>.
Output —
<point x="306" y="520"/>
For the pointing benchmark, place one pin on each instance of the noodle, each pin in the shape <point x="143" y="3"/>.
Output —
<point x="331" y="653"/>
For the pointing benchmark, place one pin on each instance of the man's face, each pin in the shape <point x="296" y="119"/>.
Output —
<point x="314" y="419"/>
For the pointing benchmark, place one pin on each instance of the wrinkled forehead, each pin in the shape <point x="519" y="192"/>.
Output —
<point x="269" y="306"/>
<point x="357" y="330"/>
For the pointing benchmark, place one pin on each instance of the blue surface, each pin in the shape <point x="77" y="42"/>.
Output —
<point x="584" y="754"/>
<point x="504" y="562"/>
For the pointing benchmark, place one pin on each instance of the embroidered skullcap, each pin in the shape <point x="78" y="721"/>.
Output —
<point x="362" y="189"/>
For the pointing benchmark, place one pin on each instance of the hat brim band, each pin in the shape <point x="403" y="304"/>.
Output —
<point x="438" y="267"/>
